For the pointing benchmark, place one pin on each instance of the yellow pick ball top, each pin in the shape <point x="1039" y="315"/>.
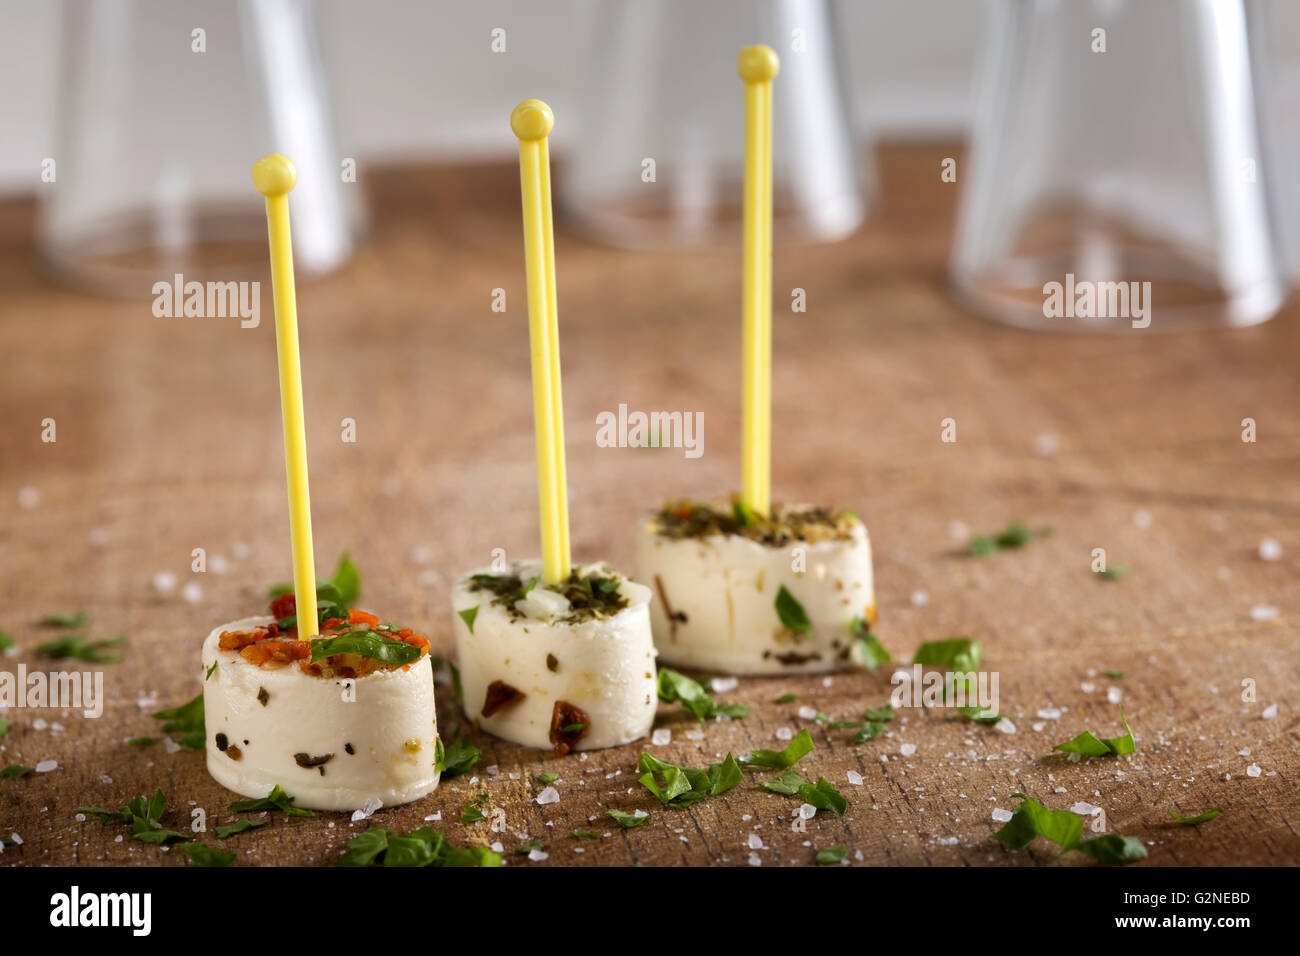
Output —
<point x="532" y="119"/>
<point x="758" y="64"/>
<point x="274" y="175"/>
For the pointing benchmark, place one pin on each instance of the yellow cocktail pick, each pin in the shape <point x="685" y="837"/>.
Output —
<point x="274" y="176"/>
<point x="758" y="65"/>
<point x="532" y="121"/>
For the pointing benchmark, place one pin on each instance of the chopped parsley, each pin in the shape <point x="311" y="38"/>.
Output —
<point x="79" y="647"/>
<point x="139" y="742"/>
<point x="6" y="641"/>
<point x="628" y="821"/>
<point x="797" y="749"/>
<point x="203" y="855"/>
<point x="790" y="611"/>
<point x="366" y="643"/>
<point x="595" y="596"/>
<point x="5" y="725"/>
<point x="824" y="796"/>
<point x="227" y="830"/>
<point x="1017" y="534"/>
<point x="1064" y="828"/>
<point x="787" y="784"/>
<point x="15" y="771"/>
<point x="1114" y="572"/>
<point x="1205" y="817"/>
<point x="584" y="835"/>
<point x="187" y="720"/>
<point x="76" y="619"/>
<point x="692" y="696"/>
<point x="678" y="787"/>
<point x="143" y="816"/>
<point x="548" y="777"/>
<point x="955" y="654"/>
<point x="831" y="854"/>
<point x="526" y="848"/>
<point x="781" y="526"/>
<point x="277" y="799"/>
<point x="787" y="698"/>
<point x="1114" y="675"/>
<point x="423" y="847"/>
<point x="1091" y="746"/>
<point x="867" y="649"/>
<point x="469" y="615"/>
<point x="459" y="757"/>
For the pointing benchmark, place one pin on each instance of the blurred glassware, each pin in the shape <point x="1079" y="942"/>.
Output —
<point x="662" y="87"/>
<point x="1142" y="163"/>
<point x="158" y="129"/>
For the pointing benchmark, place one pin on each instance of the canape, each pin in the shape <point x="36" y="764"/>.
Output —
<point x="567" y="667"/>
<point x="740" y="593"/>
<point x="339" y="720"/>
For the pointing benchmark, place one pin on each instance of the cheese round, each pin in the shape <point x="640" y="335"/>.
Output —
<point x="519" y="669"/>
<point x="716" y="608"/>
<point x="332" y="744"/>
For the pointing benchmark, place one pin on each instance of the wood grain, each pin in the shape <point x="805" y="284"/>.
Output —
<point x="168" y="440"/>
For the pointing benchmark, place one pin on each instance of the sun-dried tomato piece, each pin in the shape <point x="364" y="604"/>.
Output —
<point x="283" y="606"/>
<point x="500" y="694"/>
<point x="569" y="724"/>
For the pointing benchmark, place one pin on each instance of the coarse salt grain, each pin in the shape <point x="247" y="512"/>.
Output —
<point x="1002" y="816"/>
<point x="45" y="766"/>
<point x="808" y="713"/>
<point x="1049" y="713"/>
<point x="807" y="811"/>
<point x="784" y="733"/>
<point x="755" y="842"/>
<point x="164" y="582"/>
<point x="1269" y="712"/>
<point x="549" y="795"/>
<point x="1005" y="725"/>
<point x="538" y="855"/>
<point x="907" y="749"/>
<point x="1085" y="809"/>
<point x="367" y="810"/>
<point x="661" y="737"/>
<point x="1114" y="695"/>
<point x="192" y="592"/>
<point x="1251" y="771"/>
<point x="721" y="685"/>
<point x="920" y="597"/>
<point x="1263" y="612"/>
<point x="855" y="778"/>
<point x="1270" y="549"/>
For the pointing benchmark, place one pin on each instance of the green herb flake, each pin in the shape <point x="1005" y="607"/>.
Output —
<point x="831" y="854"/>
<point x="469" y="615"/>
<point x="678" y="787"/>
<point x="5" y="725"/>
<point x="790" y="611"/>
<point x="1091" y="746"/>
<point x="552" y="663"/>
<point x="1114" y="675"/>
<point x="1031" y="819"/>
<point x="226" y="830"/>
<point x="692" y="696"/>
<point x="187" y="720"/>
<point x="959" y="654"/>
<point x="787" y="698"/>
<point x="423" y="847"/>
<point x="346" y="581"/>
<point x="139" y="742"/>
<point x="6" y="641"/>
<point x="211" y="670"/>
<point x="824" y="796"/>
<point x="76" y="619"/>
<point x="79" y="647"/>
<point x="203" y="855"/>
<point x="1205" y="817"/>
<point x="871" y="731"/>
<point x="15" y="772"/>
<point x="1113" y="848"/>
<point x="787" y="784"/>
<point x="797" y="749"/>
<point x="459" y="757"/>
<point x="526" y="848"/>
<point x="867" y="649"/>
<point x="628" y="821"/>
<point x="1114" y="572"/>
<point x="584" y="835"/>
<point x="367" y="644"/>
<point x="277" y="799"/>
<point x="548" y="778"/>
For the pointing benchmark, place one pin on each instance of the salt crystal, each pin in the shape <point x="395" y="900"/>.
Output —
<point x="784" y="733"/>
<point x="807" y="811"/>
<point x="828" y="681"/>
<point x="1270" y="549"/>
<point x="28" y="498"/>
<point x="16" y="838"/>
<point x="755" y="841"/>
<point x="1002" y="816"/>
<point x="1251" y="771"/>
<point x="1038" y="726"/>
<point x="218" y="564"/>
<point x="549" y="795"/>
<point x="1049" y="713"/>
<point x="808" y="713"/>
<point x="958" y="530"/>
<point x="496" y="847"/>
<point x="1005" y="725"/>
<point x="694" y="735"/>
<point x="907" y="749"/>
<point x="80" y="818"/>
<point x="661" y="737"/>
<point x="1085" y="809"/>
<point x="1243" y="752"/>
<point x="1059" y="790"/>
<point x="492" y="770"/>
<point x="1046" y="445"/>
<point x="171" y="746"/>
<point x="1114" y="695"/>
<point x="1263" y="612"/>
<point x="1269" y="712"/>
<point x="164" y="582"/>
<point x="538" y="855"/>
<point x="721" y="685"/>
<point x="920" y="597"/>
<point x="855" y="778"/>
<point x="1087" y="687"/>
<point x="755" y="860"/>
<point x="368" y="810"/>
<point x="192" y="592"/>
<point x="39" y="723"/>
<point x="1142" y="518"/>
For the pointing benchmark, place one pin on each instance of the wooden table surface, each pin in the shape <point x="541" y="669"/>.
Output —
<point x="168" y="439"/>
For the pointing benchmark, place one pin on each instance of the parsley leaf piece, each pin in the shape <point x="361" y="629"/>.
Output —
<point x="1114" y="675"/>
<point x="1016" y="535"/>
<point x="790" y="611"/>
<point x="5" y="725"/>
<point x="867" y="649"/>
<point x="799" y="747"/>
<point x="76" y="619"/>
<point x="277" y="799"/>
<point x="955" y="654"/>
<point x="787" y="699"/>
<point x="1114" y="572"/>
<point x="346" y="581"/>
<point x="1205" y="817"/>
<point x="364" y="848"/>
<point x="824" y="796"/>
<point x="459" y="757"/>
<point x="526" y="848"/>
<point x="1032" y="819"/>
<point x="6" y="641"/>
<point x="139" y="742"/>
<point x="1092" y="746"/>
<point x="226" y="831"/>
<point x="982" y="544"/>
<point x="1113" y="848"/>
<point x="366" y="644"/>
<point x="692" y="696"/>
<point x="831" y="854"/>
<point x="548" y="777"/>
<point x="787" y="784"/>
<point x="78" y="647"/>
<point x="204" y="855"/>
<point x="584" y="835"/>
<point x="681" y="786"/>
<point x="188" y="720"/>
<point x="15" y="772"/>
<point x="873" y="730"/>
<point x="468" y="616"/>
<point x="880" y="714"/>
<point x="628" y="821"/>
